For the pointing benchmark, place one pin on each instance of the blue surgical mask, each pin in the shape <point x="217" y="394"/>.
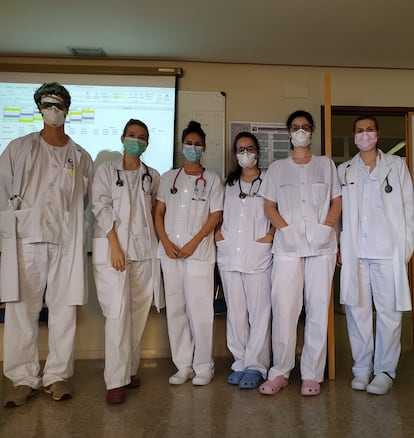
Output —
<point x="192" y="153"/>
<point x="134" y="146"/>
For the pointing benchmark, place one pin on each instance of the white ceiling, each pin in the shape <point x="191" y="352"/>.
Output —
<point x="348" y="33"/>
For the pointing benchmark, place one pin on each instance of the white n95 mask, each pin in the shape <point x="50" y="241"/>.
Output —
<point x="300" y="138"/>
<point x="53" y="116"/>
<point x="247" y="159"/>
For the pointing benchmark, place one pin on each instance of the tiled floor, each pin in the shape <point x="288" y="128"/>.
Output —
<point x="219" y="410"/>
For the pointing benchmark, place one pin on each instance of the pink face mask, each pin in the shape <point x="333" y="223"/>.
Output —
<point x="366" y="140"/>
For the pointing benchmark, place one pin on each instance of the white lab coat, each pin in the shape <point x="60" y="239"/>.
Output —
<point x="16" y="164"/>
<point x="111" y="203"/>
<point x="399" y="208"/>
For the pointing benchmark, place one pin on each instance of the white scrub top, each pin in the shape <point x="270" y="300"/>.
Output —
<point x="189" y="208"/>
<point x="244" y="222"/>
<point x="303" y="193"/>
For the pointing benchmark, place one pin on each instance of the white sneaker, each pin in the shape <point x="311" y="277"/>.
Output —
<point x="380" y="385"/>
<point x="203" y="378"/>
<point x="181" y="376"/>
<point x="360" y="383"/>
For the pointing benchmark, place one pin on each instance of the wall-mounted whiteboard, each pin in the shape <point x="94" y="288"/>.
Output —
<point x="208" y="108"/>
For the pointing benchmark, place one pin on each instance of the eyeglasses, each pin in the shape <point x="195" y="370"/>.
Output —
<point x="307" y="127"/>
<point x="59" y="106"/>
<point x="188" y="143"/>
<point x="241" y="149"/>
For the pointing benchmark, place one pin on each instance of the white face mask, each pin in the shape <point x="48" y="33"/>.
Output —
<point x="53" y="116"/>
<point x="301" y="138"/>
<point x="247" y="159"/>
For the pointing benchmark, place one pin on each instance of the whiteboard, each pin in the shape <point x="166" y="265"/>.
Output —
<point x="208" y="108"/>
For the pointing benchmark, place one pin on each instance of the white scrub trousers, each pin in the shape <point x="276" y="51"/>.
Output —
<point x="376" y="280"/>
<point x="297" y="281"/>
<point x="189" y="296"/>
<point x="39" y="268"/>
<point x="248" y="319"/>
<point x="123" y="335"/>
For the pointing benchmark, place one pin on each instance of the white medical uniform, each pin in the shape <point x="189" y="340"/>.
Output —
<point x="125" y="297"/>
<point x="43" y="193"/>
<point x="304" y="256"/>
<point x="189" y="283"/>
<point x="245" y="268"/>
<point x="376" y="244"/>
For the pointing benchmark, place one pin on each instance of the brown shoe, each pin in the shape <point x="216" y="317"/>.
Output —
<point x="59" y="390"/>
<point x="134" y="383"/>
<point x="19" y="396"/>
<point x="115" y="396"/>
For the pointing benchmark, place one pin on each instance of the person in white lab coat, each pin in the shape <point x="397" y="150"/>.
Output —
<point x="376" y="244"/>
<point x="126" y="270"/>
<point x="244" y="257"/>
<point x="189" y="206"/>
<point x="303" y="202"/>
<point x="44" y="186"/>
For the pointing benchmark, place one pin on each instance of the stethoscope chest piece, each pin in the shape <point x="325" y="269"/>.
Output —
<point x="242" y="195"/>
<point x="173" y="190"/>
<point x="388" y="189"/>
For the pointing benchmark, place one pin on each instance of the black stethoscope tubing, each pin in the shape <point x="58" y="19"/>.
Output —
<point x="387" y="188"/>
<point x="243" y="195"/>
<point x="120" y="181"/>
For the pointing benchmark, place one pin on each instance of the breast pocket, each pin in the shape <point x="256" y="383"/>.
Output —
<point x="320" y="193"/>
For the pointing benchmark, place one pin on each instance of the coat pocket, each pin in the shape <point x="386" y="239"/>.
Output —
<point x="321" y="237"/>
<point x="100" y="251"/>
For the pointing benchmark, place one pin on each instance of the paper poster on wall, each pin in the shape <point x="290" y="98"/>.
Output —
<point x="273" y="139"/>
<point x="208" y="108"/>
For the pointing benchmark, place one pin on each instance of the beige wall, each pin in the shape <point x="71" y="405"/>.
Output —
<point x="254" y="92"/>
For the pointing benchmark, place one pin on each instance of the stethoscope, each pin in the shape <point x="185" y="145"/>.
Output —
<point x="198" y="193"/>
<point x="145" y="187"/>
<point x="387" y="188"/>
<point x="258" y="180"/>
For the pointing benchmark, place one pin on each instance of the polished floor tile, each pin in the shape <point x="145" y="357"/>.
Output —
<point x="158" y="409"/>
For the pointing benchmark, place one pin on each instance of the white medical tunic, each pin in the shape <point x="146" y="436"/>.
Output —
<point x="303" y="193"/>
<point x="189" y="208"/>
<point x="244" y="222"/>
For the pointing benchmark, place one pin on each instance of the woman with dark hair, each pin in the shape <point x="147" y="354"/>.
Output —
<point x="303" y="201"/>
<point x="244" y="258"/>
<point x="376" y="244"/>
<point x="127" y="272"/>
<point x="189" y="207"/>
